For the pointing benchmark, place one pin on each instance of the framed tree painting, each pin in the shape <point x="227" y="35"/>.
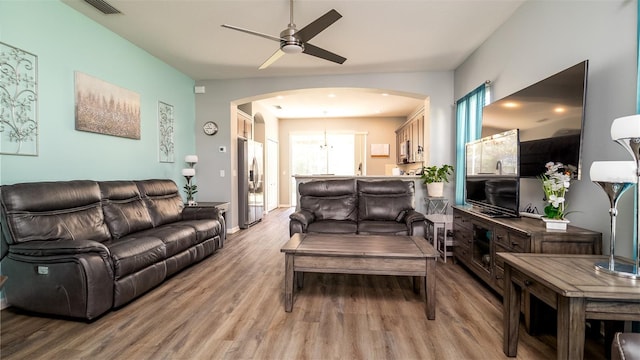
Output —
<point x="105" y="108"/>
<point x="18" y="101"/>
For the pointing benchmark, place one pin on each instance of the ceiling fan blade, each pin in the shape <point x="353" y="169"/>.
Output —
<point x="266" y="36"/>
<point x="322" y="53"/>
<point x="276" y="55"/>
<point x="310" y="31"/>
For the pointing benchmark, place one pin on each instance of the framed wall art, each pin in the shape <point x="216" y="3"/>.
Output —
<point x="166" y="131"/>
<point x="380" y="150"/>
<point x="105" y="108"/>
<point x="18" y="101"/>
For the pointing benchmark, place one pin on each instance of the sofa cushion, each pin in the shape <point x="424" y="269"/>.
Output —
<point x="63" y="210"/>
<point x="176" y="237"/>
<point x="333" y="227"/>
<point x="329" y="199"/>
<point x="204" y="228"/>
<point x="133" y="253"/>
<point x="381" y="227"/>
<point x="163" y="200"/>
<point x="124" y="210"/>
<point x="384" y="200"/>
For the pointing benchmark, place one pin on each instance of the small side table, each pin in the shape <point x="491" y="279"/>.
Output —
<point x="439" y="226"/>
<point x="436" y="205"/>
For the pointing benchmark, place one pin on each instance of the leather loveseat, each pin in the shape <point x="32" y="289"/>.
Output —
<point x="354" y="206"/>
<point x="80" y="248"/>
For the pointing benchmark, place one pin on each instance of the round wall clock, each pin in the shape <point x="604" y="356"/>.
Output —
<point x="210" y="128"/>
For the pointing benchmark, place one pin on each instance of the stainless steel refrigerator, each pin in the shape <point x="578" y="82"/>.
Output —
<point x="251" y="182"/>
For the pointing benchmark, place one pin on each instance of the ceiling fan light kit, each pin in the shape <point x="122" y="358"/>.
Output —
<point x="294" y="41"/>
<point x="292" y="48"/>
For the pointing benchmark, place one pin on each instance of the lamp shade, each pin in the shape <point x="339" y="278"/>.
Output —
<point x="614" y="171"/>
<point x="191" y="159"/>
<point x="189" y="172"/>
<point x="626" y="127"/>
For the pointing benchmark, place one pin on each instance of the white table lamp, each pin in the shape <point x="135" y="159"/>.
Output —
<point x="615" y="178"/>
<point x="626" y="132"/>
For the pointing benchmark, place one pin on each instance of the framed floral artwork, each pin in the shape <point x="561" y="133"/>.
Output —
<point x="166" y="125"/>
<point x="18" y="101"/>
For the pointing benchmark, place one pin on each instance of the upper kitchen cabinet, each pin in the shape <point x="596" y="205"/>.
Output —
<point x="245" y="125"/>
<point x="410" y="139"/>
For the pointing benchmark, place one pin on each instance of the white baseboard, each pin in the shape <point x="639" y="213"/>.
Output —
<point x="233" y="230"/>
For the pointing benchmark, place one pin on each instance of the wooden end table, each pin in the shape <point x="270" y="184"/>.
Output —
<point x="436" y="224"/>
<point x="570" y="284"/>
<point x="361" y="254"/>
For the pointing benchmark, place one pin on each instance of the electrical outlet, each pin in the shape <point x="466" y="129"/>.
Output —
<point x="43" y="270"/>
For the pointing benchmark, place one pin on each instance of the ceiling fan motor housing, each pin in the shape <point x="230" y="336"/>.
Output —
<point x="289" y="43"/>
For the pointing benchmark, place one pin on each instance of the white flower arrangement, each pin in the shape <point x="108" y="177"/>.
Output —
<point x="555" y="183"/>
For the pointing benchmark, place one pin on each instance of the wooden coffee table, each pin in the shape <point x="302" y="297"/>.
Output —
<point x="361" y="254"/>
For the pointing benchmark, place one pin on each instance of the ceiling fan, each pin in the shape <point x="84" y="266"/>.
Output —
<point x="294" y="41"/>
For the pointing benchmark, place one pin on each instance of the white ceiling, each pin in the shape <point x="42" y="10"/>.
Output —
<point x="375" y="36"/>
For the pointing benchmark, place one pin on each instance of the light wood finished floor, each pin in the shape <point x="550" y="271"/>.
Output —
<point x="231" y="306"/>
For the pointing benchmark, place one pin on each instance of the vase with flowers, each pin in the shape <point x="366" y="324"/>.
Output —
<point x="555" y="184"/>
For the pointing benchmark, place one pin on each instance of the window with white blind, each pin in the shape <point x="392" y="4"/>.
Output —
<point x="320" y="153"/>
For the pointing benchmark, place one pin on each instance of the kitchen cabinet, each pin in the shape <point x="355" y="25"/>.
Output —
<point x="410" y="139"/>
<point x="245" y="125"/>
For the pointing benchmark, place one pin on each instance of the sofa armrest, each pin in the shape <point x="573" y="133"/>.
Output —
<point x="302" y="216"/>
<point x="74" y="277"/>
<point x="200" y="213"/>
<point x="299" y="221"/>
<point x="59" y="247"/>
<point x="204" y="213"/>
<point x="413" y="216"/>
<point x="415" y="223"/>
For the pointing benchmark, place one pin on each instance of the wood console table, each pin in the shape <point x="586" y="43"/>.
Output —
<point x="477" y="238"/>
<point x="570" y="284"/>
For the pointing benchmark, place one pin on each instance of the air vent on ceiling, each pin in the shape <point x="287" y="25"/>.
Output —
<point x="278" y="107"/>
<point x="103" y="6"/>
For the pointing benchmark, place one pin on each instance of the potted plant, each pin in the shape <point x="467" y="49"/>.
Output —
<point x="555" y="183"/>
<point x="435" y="177"/>
<point x="191" y="190"/>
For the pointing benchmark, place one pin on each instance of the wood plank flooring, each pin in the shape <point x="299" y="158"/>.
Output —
<point x="231" y="306"/>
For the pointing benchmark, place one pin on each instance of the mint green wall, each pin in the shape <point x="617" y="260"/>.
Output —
<point x="66" y="41"/>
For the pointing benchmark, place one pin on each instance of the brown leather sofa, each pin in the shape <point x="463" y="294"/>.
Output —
<point x="626" y="346"/>
<point x="80" y="248"/>
<point x="354" y="206"/>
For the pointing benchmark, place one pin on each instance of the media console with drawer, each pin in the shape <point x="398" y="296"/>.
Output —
<point x="477" y="238"/>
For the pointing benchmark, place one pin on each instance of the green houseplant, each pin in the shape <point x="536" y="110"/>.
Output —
<point x="435" y="177"/>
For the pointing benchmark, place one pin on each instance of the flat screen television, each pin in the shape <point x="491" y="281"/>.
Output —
<point x="494" y="196"/>
<point x="492" y="184"/>
<point x="550" y="117"/>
